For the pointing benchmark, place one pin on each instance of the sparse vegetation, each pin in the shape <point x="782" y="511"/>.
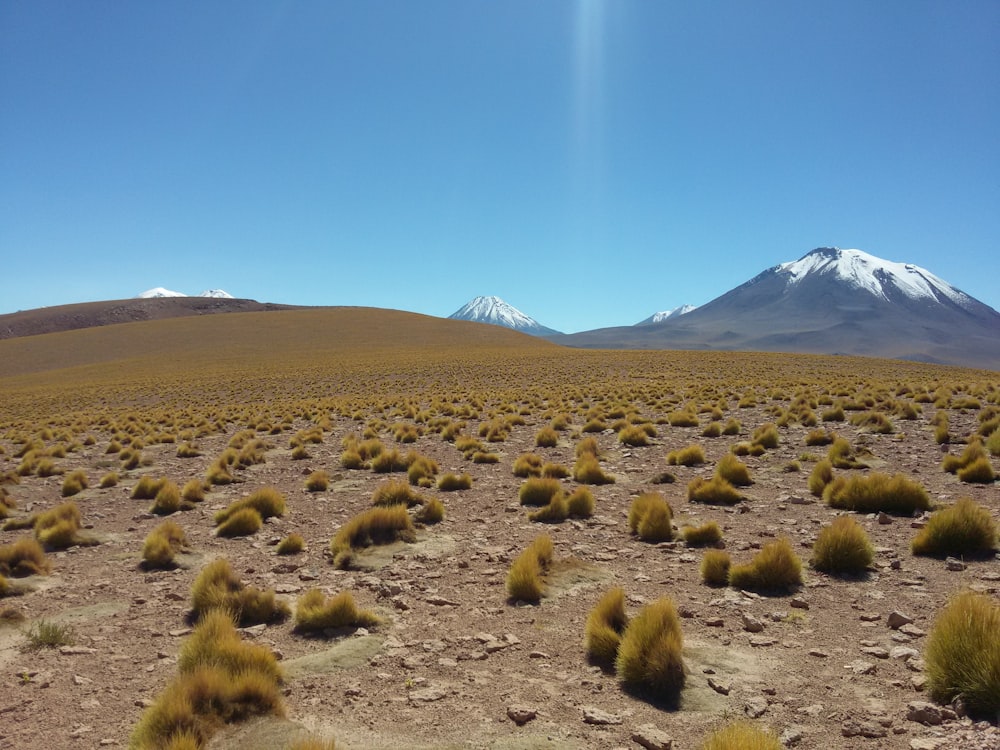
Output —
<point x="649" y="518"/>
<point x="525" y="580"/>
<point x="692" y="455"/>
<point x="605" y="625"/>
<point x="318" y="481"/>
<point x="49" y="634"/>
<point x="776" y="568"/>
<point x="877" y="492"/>
<point x="714" y="491"/>
<point x="649" y="659"/>
<point x="702" y="536"/>
<point x="965" y="529"/>
<point x="314" y="613"/>
<point x="715" y="564"/>
<point x="74" y="483"/>
<point x="162" y="544"/>
<point x="379" y="525"/>
<point x="742" y="735"/>
<point x="734" y="471"/>
<point x="24" y="557"/>
<point x="843" y="547"/>
<point x="217" y="587"/>
<point x="292" y="544"/>
<point x="454" y="482"/>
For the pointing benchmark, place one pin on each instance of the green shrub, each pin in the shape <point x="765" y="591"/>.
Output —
<point x="649" y="518"/>
<point x="742" y="735"/>
<point x="525" y="577"/>
<point x="714" y="491"/>
<point x="734" y="471"/>
<point x="704" y="535"/>
<point x="963" y="654"/>
<point x="292" y="544"/>
<point x="965" y="529"/>
<point x="605" y="625"/>
<point x="315" y="613"/>
<point x="649" y="658"/>
<point x="692" y="455"/>
<point x="877" y="492"/>
<point x="776" y="567"/>
<point x="842" y="547"/>
<point x="539" y="491"/>
<point x="715" y="567"/>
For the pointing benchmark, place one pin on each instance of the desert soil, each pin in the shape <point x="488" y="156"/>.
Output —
<point x="454" y="659"/>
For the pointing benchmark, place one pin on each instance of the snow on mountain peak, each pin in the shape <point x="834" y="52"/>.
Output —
<point x="494" y="310"/>
<point x="875" y="275"/>
<point x="676" y="312"/>
<point x="217" y="294"/>
<point x="157" y="292"/>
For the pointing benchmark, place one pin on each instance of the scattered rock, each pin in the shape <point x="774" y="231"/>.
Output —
<point x="799" y="603"/>
<point x="854" y="728"/>
<point x="912" y="630"/>
<point x="878" y="652"/>
<point x="791" y="736"/>
<point x="903" y="652"/>
<point x="598" y="717"/>
<point x="760" y="641"/>
<point x="440" y="601"/>
<point x="927" y="713"/>
<point x="859" y="666"/>
<point x="76" y="650"/>
<point x="953" y="563"/>
<point x="755" y="707"/>
<point x="652" y="738"/>
<point x="427" y="695"/>
<point x="896" y="620"/>
<point x="723" y="688"/>
<point x="818" y="652"/>
<point x="928" y="743"/>
<point x="884" y="518"/>
<point x="521" y="715"/>
<point x="751" y="624"/>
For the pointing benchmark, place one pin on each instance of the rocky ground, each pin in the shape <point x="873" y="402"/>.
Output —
<point x="836" y="664"/>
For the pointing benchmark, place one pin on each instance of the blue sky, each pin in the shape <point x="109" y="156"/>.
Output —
<point x="590" y="162"/>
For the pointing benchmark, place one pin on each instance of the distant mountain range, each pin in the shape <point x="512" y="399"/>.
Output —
<point x="830" y="301"/>
<point x="667" y="314"/>
<point x="495" y="311"/>
<point x="159" y="292"/>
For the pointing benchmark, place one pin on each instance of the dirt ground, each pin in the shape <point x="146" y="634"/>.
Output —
<point x="454" y="659"/>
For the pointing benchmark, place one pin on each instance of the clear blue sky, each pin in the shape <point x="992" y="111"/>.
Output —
<point x="590" y="162"/>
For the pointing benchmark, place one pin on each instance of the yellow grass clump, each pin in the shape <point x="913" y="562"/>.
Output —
<point x="59" y="527"/>
<point x="454" y="482"/>
<point x="74" y="483"/>
<point x="539" y="491"/>
<point x="714" y="491"/>
<point x="379" y="525"/>
<point x="314" y="613"/>
<point x="525" y="577"/>
<point x="649" y="658"/>
<point x="715" y="566"/>
<point x="692" y="455"/>
<point x="24" y="557"/>
<point x="965" y="529"/>
<point x="820" y="476"/>
<point x="649" y="518"/>
<point x="395" y="493"/>
<point x="587" y="470"/>
<point x="703" y="536"/>
<point x="162" y="544"/>
<point x="742" y="735"/>
<point x="843" y="547"/>
<point x="317" y="481"/>
<point x="877" y="492"/>
<point x="605" y="625"/>
<point x="266" y="502"/>
<point x="775" y="568"/>
<point x="733" y="471"/>
<point x="430" y="512"/>
<point x="292" y="544"/>
<point x="217" y="587"/>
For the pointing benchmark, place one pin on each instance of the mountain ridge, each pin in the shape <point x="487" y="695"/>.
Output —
<point x="493" y="310"/>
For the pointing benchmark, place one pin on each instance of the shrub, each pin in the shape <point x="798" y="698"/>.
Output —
<point x="733" y="471"/>
<point x="715" y="567"/>
<point x="742" y="735"/>
<point x="588" y="471"/>
<point x="819" y="437"/>
<point x="776" y="567"/>
<point x="965" y="529"/>
<point x="634" y="435"/>
<point x="693" y="455"/>
<point x="25" y="557"/>
<point x="820" y="477"/>
<point x="380" y="525"/>
<point x="242" y="522"/>
<point x="161" y="544"/>
<point x="605" y="625"/>
<point x="554" y="471"/>
<point x="389" y="461"/>
<point x="704" y="535"/>
<point x="74" y="483"/>
<point x="547" y="438"/>
<point x="109" y="480"/>
<point x="963" y="654"/>
<point x="218" y="588"/>
<point x="587" y="447"/>
<point x="146" y="488"/>
<point x="219" y="474"/>
<point x="714" y="491"/>
<point x="395" y="493"/>
<point x="993" y="443"/>
<point x="167" y="500"/>
<point x="47" y="634"/>
<point x="842" y="547"/>
<point x="877" y="492"/>
<point x="539" y="491"/>
<point x="732" y="427"/>
<point x="292" y="544"/>
<point x="594" y="425"/>
<point x="979" y="471"/>
<point x="580" y="503"/>
<point x="267" y="501"/>
<point x="187" y="450"/>
<point x="712" y="430"/>
<point x="766" y="436"/>
<point x="351" y="459"/>
<point x="650" y="518"/>
<point x="682" y="419"/>
<point x="556" y="511"/>
<point x="59" y="527"/>
<point x="453" y="482"/>
<point x="193" y="491"/>
<point x="528" y="465"/>
<point x="649" y="656"/>
<point x="972" y="453"/>
<point x="835" y="414"/>
<point x="525" y="577"/>
<point x="482" y="457"/>
<point x="422" y="471"/>
<point x="315" y="613"/>
<point x="318" y="481"/>
<point x="431" y="512"/>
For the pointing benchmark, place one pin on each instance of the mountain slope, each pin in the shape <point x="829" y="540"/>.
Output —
<point x="659" y="317"/>
<point x="830" y="301"/>
<point x="495" y="311"/>
<point x="158" y="292"/>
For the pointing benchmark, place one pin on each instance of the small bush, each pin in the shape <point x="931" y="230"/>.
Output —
<point x="292" y="544"/>
<point x="242" y="522"/>
<point x="351" y="459"/>
<point x="965" y="529"/>
<point x="693" y="455"/>
<point x="187" y="450"/>
<point x="979" y="471"/>
<point x="843" y="547"/>
<point x="218" y="588"/>
<point x="587" y="447"/>
<point x="267" y="501"/>
<point x="775" y="568"/>
<point x="556" y="511"/>
<point x="528" y="465"/>
<point x="732" y="427"/>
<point x="454" y="482"/>
<point x="167" y="500"/>
<point x="877" y="492"/>
<point x="315" y="613"/>
<point x="525" y="577"/>
<point x="380" y="525"/>
<point x="682" y="419"/>
<point x="715" y="567"/>
<point x="963" y="654"/>
<point x="431" y="512"/>
<point x="588" y="471"/>
<point x="704" y="535"/>
<point x="842" y="456"/>
<point x="733" y="471"/>
<point x="59" y="527"/>
<point x="633" y="435"/>
<point x="422" y="471"/>
<point x="109" y="480"/>
<point x="74" y="483"/>
<point x="649" y="518"/>
<point x="47" y="634"/>
<point x="146" y="488"/>
<point x="714" y="491"/>
<point x="742" y="735"/>
<point x="605" y="625"/>
<point x="547" y="438"/>
<point x="580" y="503"/>
<point x="649" y="657"/>
<point x="395" y="493"/>
<point x="819" y="437"/>
<point x="482" y="457"/>
<point x="712" y="430"/>
<point x="162" y="544"/>
<point x="820" y="477"/>
<point x="318" y="481"/>
<point x="193" y="491"/>
<point x="766" y="436"/>
<point x="389" y="461"/>
<point x="25" y="557"/>
<point x="539" y="491"/>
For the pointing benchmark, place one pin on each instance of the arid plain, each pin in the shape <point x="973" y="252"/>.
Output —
<point x="452" y="662"/>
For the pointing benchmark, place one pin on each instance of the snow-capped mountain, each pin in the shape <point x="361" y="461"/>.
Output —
<point x="659" y="317"/>
<point x="497" y="312"/>
<point x="830" y="301"/>
<point x="157" y="292"/>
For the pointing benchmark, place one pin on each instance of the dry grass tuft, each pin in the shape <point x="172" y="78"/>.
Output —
<point x="714" y="491"/>
<point x="162" y="544"/>
<point x="380" y="525"/>
<point x="431" y="512"/>
<point x="314" y="613"/>
<point x="877" y="492"/>
<point x="454" y="482"/>
<point x="649" y="658"/>
<point x="292" y="544"/>
<point x="539" y="491"/>
<point x="146" y="488"/>
<point x="267" y="502"/>
<point x="649" y="518"/>
<point x="742" y="735"/>
<point x="59" y="528"/>
<point x="25" y="557"/>
<point x="715" y="566"/>
<point x="703" y="536"/>
<point x="395" y="493"/>
<point x="218" y="588"/>
<point x="775" y="568"/>
<point x="318" y="481"/>
<point x="843" y="547"/>
<point x="733" y="471"/>
<point x="605" y="625"/>
<point x="966" y="529"/>
<point x="74" y="483"/>
<point x="820" y="477"/>
<point x="588" y="471"/>
<point x="525" y="578"/>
